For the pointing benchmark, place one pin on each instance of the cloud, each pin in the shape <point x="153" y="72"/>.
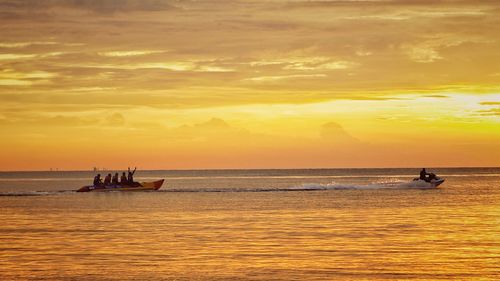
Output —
<point x="333" y="133"/>
<point x="494" y="109"/>
<point x="46" y="122"/>
<point x="231" y="43"/>
<point x="436" y="96"/>
<point x="218" y="133"/>
<point x="306" y="63"/>
<point x="326" y="65"/>
<point x="98" y="6"/>
<point x="25" y="44"/>
<point x="9" y="77"/>
<point x="182" y="66"/>
<point x="129" y="53"/>
<point x="15" y="82"/>
<point x="427" y="51"/>
<point x="212" y="124"/>
<point x="16" y="56"/>
<point x="490" y="103"/>
<point x="284" y="77"/>
<point x="20" y="57"/>
<point x="423" y="54"/>
<point x="105" y="6"/>
<point x="490" y="112"/>
<point x="115" y="119"/>
<point x="9" y="73"/>
<point x="207" y="129"/>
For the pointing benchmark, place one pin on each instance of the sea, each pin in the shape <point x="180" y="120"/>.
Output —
<point x="300" y="224"/>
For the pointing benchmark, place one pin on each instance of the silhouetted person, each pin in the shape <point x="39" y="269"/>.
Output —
<point x="107" y="180"/>
<point x="97" y="180"/>
<point x="123" y="179"/>
<point x="130" y="176"/>
<point x="423" y="174"/>
<point x="115" y="179"/>
<point x="427" y="176"/>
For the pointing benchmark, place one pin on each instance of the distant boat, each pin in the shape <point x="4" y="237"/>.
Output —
<point x="142" y="186"/>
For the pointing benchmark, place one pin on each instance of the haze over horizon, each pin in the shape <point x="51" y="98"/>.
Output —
<point x="164" y="84"/>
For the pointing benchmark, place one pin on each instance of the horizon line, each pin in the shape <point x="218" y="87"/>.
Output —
<point x="242" y="169"/>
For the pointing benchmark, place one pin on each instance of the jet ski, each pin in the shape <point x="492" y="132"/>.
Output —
<point x="140" y="186"/>
<point x="435" y="182"/>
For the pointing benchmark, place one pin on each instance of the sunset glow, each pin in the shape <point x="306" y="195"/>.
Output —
<point x="249" y="84"/>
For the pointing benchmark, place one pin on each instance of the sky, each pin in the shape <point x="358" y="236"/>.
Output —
<point x="162" y="84"/>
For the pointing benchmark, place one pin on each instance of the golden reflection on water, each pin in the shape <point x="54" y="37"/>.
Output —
<point x="323" y="235"/>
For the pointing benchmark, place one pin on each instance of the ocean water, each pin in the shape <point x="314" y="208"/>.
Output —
<point x="322" y="224"/>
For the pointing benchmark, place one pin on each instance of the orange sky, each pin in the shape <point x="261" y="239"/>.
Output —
<point x="249" y="84"/>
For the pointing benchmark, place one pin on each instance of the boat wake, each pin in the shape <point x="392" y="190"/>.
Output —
<point x="34" y="193"/>
<point x="378" y="185"/>
<point x="392" y="184"/>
